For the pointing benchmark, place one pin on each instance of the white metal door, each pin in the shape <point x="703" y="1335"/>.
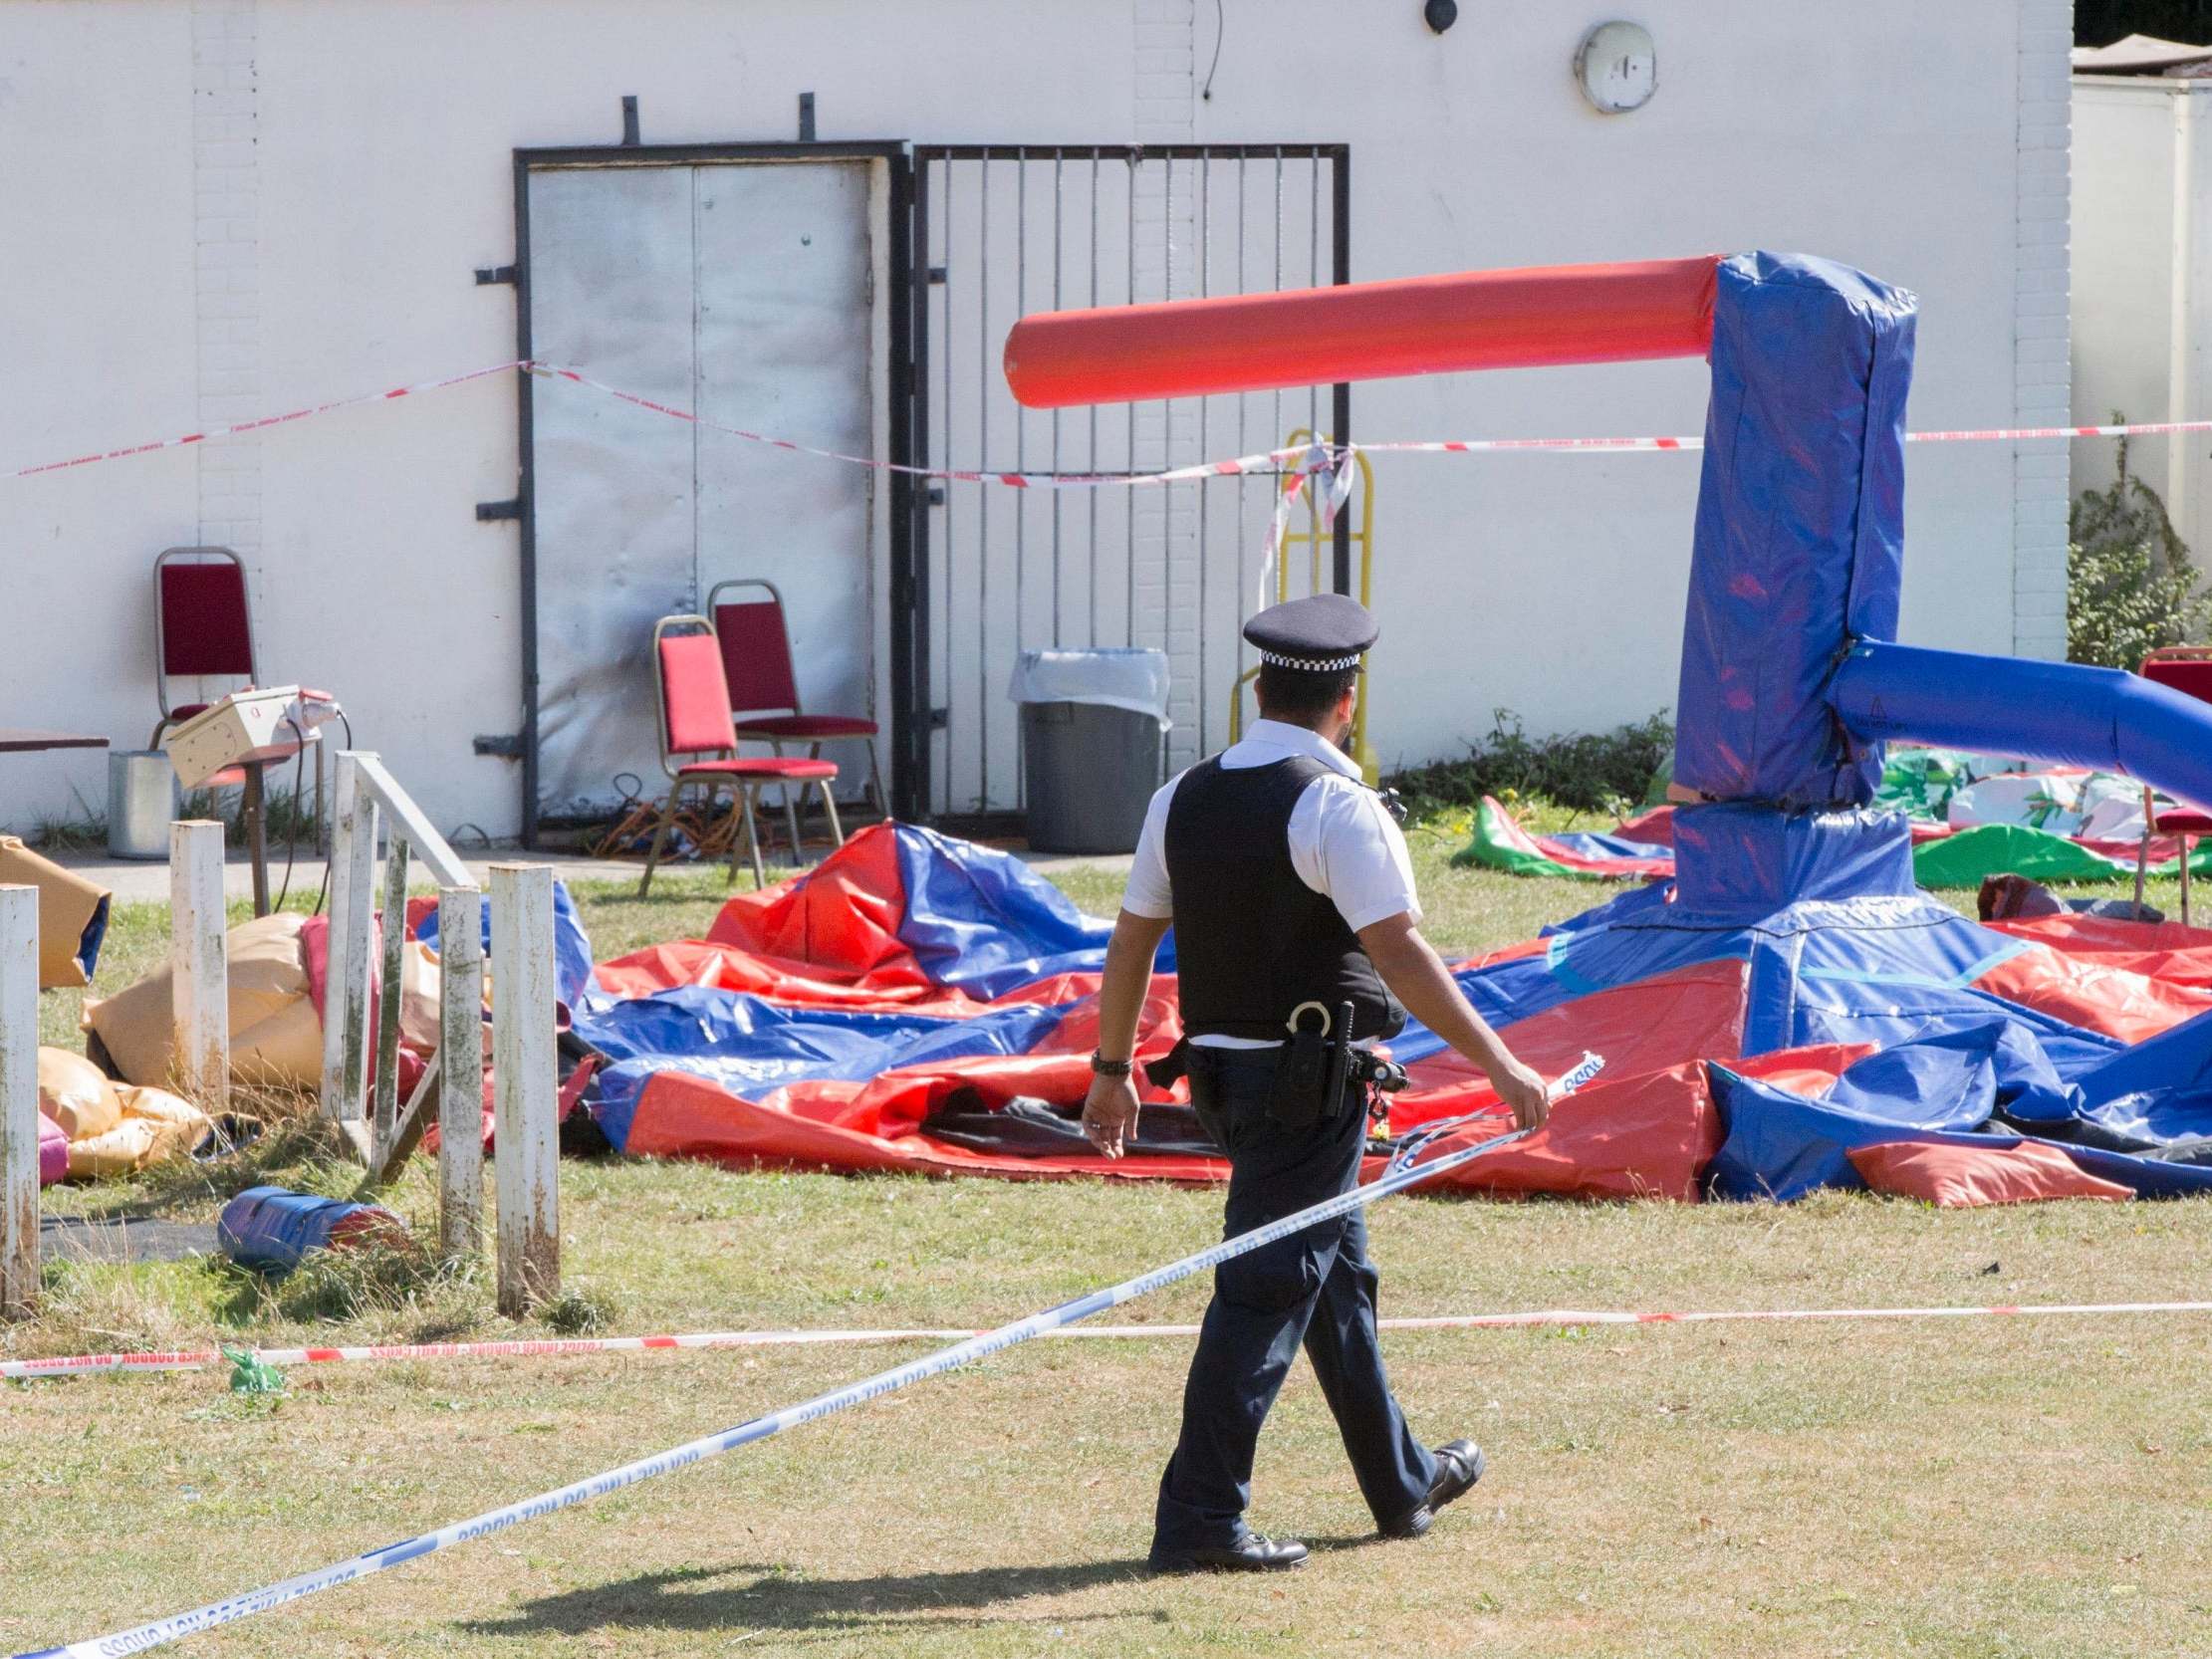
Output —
<point x="742" y="291"/>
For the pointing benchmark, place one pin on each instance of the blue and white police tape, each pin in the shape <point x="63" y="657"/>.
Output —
<point x="1419" y="1140"/>
<point x="160" y="1631"/>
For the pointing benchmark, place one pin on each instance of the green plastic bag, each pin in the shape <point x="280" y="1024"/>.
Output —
<point x="251" y="1374"/>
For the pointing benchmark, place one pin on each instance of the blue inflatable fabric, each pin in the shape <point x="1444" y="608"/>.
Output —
<point x="572" y="949"/>
<point x="272" y="1228"/>
<point x="1781" y="1146"/>
<point x="749" y="1045"/>
<point x="1800" y="539"/>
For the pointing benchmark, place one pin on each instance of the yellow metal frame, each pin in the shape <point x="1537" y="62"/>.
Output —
<point x="1313" y="537"/>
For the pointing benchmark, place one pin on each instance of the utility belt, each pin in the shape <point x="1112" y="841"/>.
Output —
<point x="1316" y="1069"/>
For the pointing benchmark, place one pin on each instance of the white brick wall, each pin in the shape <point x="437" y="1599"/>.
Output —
<point x="1891" y="165"/>
<point x="1166" y="253"/>
<point x="226" y="232"/>
<point x="2040" y="389"/>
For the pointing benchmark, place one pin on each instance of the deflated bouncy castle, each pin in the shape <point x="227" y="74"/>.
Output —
<point x="1788" y="1011"/>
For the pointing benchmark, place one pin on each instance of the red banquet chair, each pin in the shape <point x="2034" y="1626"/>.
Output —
<point x="756" y="659"/>
<point x="694" y="702"/>
<point x="2187" y="669"/>
<point x="202" y="627"/>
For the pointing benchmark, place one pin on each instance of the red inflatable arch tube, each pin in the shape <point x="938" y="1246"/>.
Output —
<point x="1557" y="313"/>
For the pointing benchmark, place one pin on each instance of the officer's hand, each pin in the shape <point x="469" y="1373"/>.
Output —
<point x="1523" y="1092"/>
<point x="1110" y="1115"/>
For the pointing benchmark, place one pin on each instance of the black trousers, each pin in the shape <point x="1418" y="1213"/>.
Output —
<point x="1316" y="1287"/>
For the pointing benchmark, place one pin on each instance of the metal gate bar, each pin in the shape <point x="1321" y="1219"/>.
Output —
<point x="986" y="583"/>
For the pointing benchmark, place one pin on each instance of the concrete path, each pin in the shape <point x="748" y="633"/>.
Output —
<point x="115" y="1238"/>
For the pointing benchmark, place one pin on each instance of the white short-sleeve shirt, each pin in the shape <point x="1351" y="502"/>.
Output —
<point x="1343" y="843"/>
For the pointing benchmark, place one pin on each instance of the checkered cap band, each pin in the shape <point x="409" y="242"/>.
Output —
<point x="1313" y="665"/>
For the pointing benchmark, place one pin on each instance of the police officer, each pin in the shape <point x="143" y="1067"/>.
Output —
<point x="1287" y="884"/>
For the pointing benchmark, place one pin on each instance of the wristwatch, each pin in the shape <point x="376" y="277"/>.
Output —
<point x="1105" y="1067"/>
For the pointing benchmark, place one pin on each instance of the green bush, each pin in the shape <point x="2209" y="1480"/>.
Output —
<point x="581" y="1313"/>
<point x="1598" y="772"/>
<point x="2130" y="584"/>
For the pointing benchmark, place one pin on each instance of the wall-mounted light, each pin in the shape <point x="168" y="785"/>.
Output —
<point x="1617" y="68"/>
<point x="1440" y="14"/>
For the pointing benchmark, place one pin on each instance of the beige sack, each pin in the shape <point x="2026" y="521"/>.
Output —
<point x="268" y="987"/>
<point x="420" y="1014"/>
<point x="76" y="1094"/>
<point x="182" y="1126"/>
<point x="68" y="905"/>
<point x="285" y="1050"/>
<point x="156" y="1125"/>
<point x="127" y="1146"/>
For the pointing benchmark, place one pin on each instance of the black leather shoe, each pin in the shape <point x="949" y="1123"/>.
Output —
<point x="1459" y="1465"/>
<point x="1250" y="1554"/>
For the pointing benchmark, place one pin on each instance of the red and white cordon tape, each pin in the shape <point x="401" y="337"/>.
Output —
<point x="1964" y="434"/>
<point x="1269" y="461"/>
<point x="191" y="1360"/>
<point x="1302" y="459"/>
<point x="213" y="433"/>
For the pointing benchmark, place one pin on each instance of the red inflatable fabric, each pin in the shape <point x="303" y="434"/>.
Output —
<point x="53" y="1152"/>
<point x="1645" y="1129"/>
<point x="839" y="926"/>
<point x="1693" y="1012"/>
<point x="1962" y="1177"/>
<point x="805" y="1126"/>
<point x="1559" y="314"/>
<point x="2092" y="993"/>
<point x="879" y="1124"/>
<point x="730" y="967"/>
<point x="1555" y="850"/>
<point x="1646" y="1135"/>
<point x="2162" y="950"/>
<point x="1655" y="825"/>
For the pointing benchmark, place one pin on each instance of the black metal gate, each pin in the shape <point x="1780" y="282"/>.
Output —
<point x="986" y="572"/>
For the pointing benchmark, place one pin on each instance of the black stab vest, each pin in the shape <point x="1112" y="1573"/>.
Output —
<point x="1253" y="941"/>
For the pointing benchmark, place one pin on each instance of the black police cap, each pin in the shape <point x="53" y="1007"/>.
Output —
<point x="1322" y="633"/>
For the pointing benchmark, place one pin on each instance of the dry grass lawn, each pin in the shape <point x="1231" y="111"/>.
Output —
<point x="1976" y="1487"/>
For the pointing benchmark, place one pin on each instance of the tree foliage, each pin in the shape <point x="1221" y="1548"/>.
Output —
<point x="2130" y="584"/>
<point x="2101" y="22"/>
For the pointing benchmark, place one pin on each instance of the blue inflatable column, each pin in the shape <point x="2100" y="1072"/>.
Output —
<point x="1800" y="538"/>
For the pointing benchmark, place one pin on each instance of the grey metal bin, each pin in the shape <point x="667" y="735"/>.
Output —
<point x="1093" y="725"/>
<point x="141" y="799"/>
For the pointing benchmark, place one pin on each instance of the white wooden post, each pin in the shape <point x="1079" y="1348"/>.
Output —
<point x="19" y="1102"/>
<point x="199" y="985"/>
<point x="346" y="992"/>
<point x="460" y="1072"/>
<point x="524" y="1131"/>
<point x="385" y="1115"/>
<point x="322" y="798"/>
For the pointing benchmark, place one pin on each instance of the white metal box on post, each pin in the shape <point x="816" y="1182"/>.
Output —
<point x="256" y="725"/>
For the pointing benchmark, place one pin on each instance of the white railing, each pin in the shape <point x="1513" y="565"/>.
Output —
<point x="525" y="993"/>
<point x="199" y="977"/>
<point x="524" y="997"/>
<point x="19" y="1100"/>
